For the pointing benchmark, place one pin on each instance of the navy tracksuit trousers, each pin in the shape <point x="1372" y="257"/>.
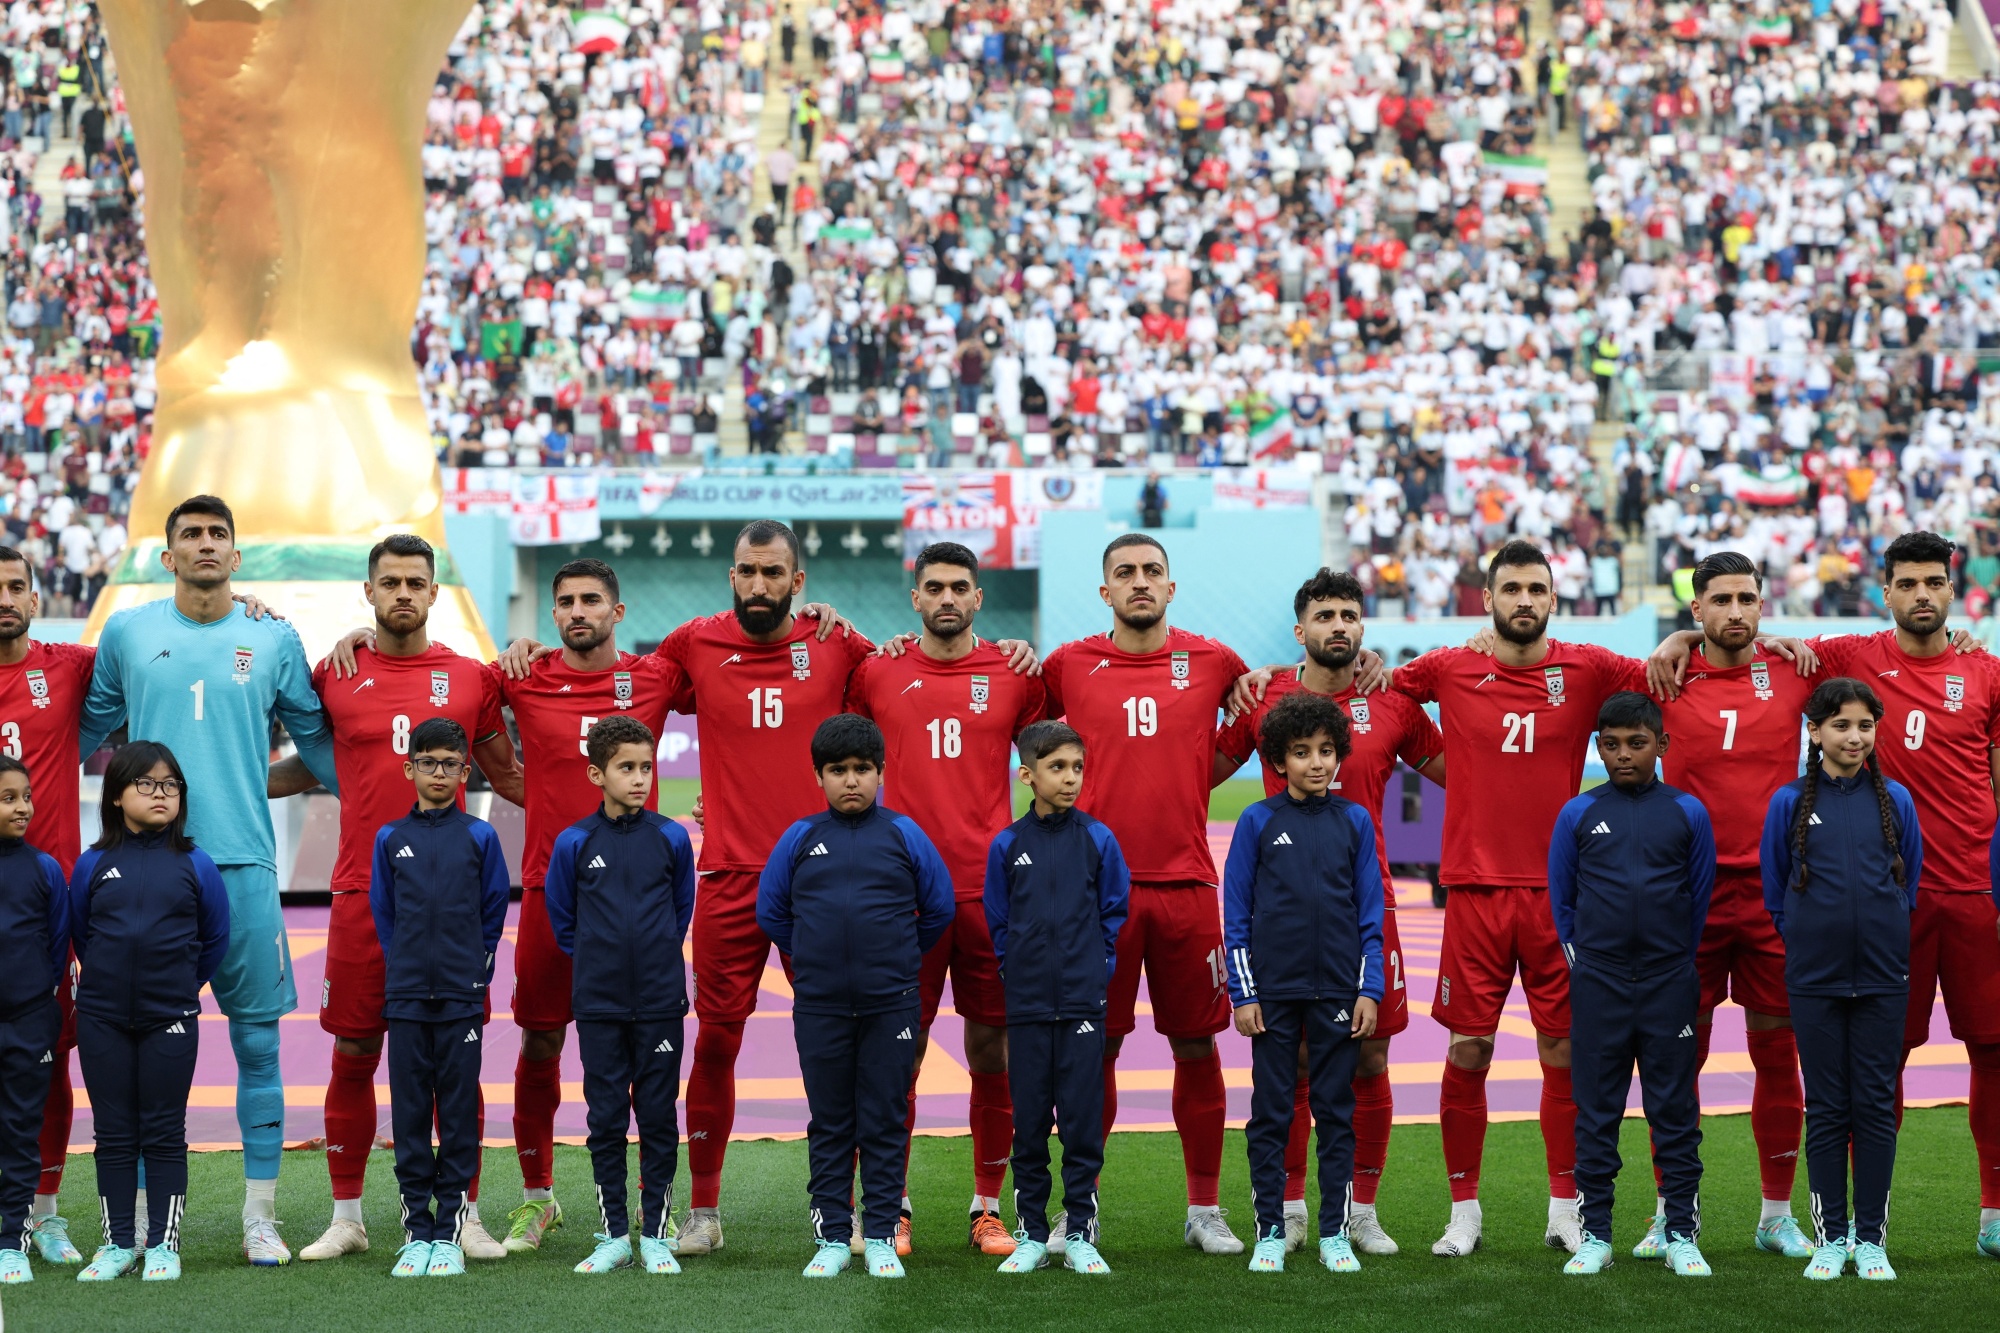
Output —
<point x="434" y="1080"/>
<point x="632" y="1070"/>
<point x="857" y="1075"/>
<point x="1614" y="1023"/>
<point x="1055" y="1076"/>
<point x="138" y="1080"/>
<point x="27" y="1053"/>
<point x="1850" y="1053"/>
<point x="1332" y="1052"/>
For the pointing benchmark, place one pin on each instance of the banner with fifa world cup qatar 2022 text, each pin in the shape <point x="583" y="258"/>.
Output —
<point x="996" y="515"/>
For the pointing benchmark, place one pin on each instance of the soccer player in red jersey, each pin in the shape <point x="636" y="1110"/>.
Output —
<point x="1386" y="728"/>
<point x="399" y="678"/>
<point x="949" y="710"/>
<point x="1517" y="725"/>
<point x="42" y="687"/>
<point x="1145" y="698"/>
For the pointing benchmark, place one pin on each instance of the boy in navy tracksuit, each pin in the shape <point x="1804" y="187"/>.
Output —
<point x="1056" y="894"/>
<point x="1842" y="856"/>
<point x="439" y="897"/>
<point x="1631" y="866"/>
<point x="1302" y="932"/>
<point x="621" y="895"/>
<point x="34" y="953"/>
<point x="149" y="918"/>
<point x="854" y="897"/>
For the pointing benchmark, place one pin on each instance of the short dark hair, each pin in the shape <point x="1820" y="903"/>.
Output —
<point x="1517" y="552"/>
<point x="1300" y="715"/>
<point x="946" y="553"/>
<point x="614" y="733"/>
<point x="1132" y="539"/>
<point x="402" y="543"/>
<point x="764" y="531"/>
<point x="847" y="736"/>
<point x="131" y="762"/>
<point x="586" y="568"/>
<point x="9" y="764"/>
<point x="1629" y="708"/>
<point x="10" y="556"/>
<point x="1039" y="740"/>
<point x="1722" y="565"/>
<point x="1327" y="586"/>
<point x="438" y="733"/>
<point x="200" y="504"/>
<point x="1916" y="548"/>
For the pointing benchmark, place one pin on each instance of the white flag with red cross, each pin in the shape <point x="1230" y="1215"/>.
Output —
<point x="553" y="508"/>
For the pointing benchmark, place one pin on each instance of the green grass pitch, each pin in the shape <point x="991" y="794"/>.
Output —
<point x="1157" y="1283"/>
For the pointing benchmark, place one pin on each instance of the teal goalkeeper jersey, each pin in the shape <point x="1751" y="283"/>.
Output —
<point x="208" y="693"/>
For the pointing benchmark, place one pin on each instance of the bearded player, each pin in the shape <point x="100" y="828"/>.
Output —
<point x="949" y="710"/>
<point x="399" y="679"/>
<point x="1517" y="725"/>
<point x="1387" y="728"/>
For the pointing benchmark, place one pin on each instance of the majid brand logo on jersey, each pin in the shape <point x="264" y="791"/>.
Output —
<point x="621" y="688"/>
<point x="1358" y="707"/>
<point x="1554" y="677"/>
<point x="981" y="692"/>
<point x="38" y="689"/>
<point x="1954" y="693"/>
<point x="242" y="673"/>
<point x="802" y="665"/>
<point x="440" y="689"/>
<point x="1180" y="669"/>
<point x="1760" y="679"/>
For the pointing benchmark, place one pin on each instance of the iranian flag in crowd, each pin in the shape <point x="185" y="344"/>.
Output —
<point x="885" y="65"/>
<point x="1523" y="175"/>
<point x="1271" y="436"/>
<point x="1680" y="467"/>
<point x="647" y="305"/>
<point x="599" y="26"/>
<point x="1778" y="484"/>
<point x="551" y="508"/>
<point x="1773" y="31"/>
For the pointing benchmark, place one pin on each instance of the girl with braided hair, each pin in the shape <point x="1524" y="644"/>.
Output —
<point x="1842" y="855"/>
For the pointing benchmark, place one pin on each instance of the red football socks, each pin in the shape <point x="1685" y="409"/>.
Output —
<point x="1374" y="1115"/>
<point x="1462" y="1124"/>
<point x="1110" y="1093"/>
<point x="1559" y="1131"/>
<point x="1777" y="1108"/>
<point x="350" y="1121"/>
<point x="711" y="1108"/>
<point x="1984" y="1111"/>
<point x="992" y="1115"/>
<point x="537" y="1094"/>
<point x="1200" y="1108"/>
<point x="1299" y="1143"/>
<point x="57" y="1114"/>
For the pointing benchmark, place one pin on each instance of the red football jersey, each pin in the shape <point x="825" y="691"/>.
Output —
<point x="1384" y="728"/>
<point x="1733" y="739"/>
<point x="1148" y="727"/>
<point x="759" y="704"/>
<point x="1940" y="722"/>
<point x="372" y="713"/>
<point x="41" y="704"/>
<point x="554" y="710"/>
<point x="1516" y="739"/>
<point x="950" y="728"/>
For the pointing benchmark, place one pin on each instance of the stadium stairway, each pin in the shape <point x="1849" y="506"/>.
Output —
<point x="47" y="179"/>
<point x="1569" y="172"/>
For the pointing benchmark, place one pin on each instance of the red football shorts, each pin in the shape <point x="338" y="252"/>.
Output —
<point x="1741" y="955"/>
<point x="1488" y="932"/>
<point x="1176" y="934"/>
<point x="1953" y="945"/>
<point x="541" y="970"/>
<point x="966" y="951"/>
<point x="350" y="999"/>
<point x="730" y="948"/>
<point x="1394" y="1014"/>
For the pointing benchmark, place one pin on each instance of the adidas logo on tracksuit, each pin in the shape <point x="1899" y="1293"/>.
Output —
<point x="665" y="1047"/>
<point x="1022" y="860"/>
<point x="819" y="849"/>
<point x="1602" y="827"/>
<point x="1282" y="840"/>
<point x="1084" y="1027"/>
<point x="1688" y="1031"/>
<point x="405" y="852"/>
<point x="471" y="1036"/>
<point x="596" y="863"/>
<point x="906" y="1035"/>
<point x="113" y="873"/>
<point x="180" y="1028"/>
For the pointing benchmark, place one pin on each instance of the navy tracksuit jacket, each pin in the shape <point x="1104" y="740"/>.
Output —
<point x="621" y="896"/>
<point x="439" y="896"/>
<point x="150" y="926"/>
<point x="1057" y="891"/>
<point x="34" y="952"/>
<point x="1846" y="927"/>
<point x="1630" y="873"/>
<point x="854" y="901"/>
<point x="1302" y="930"/>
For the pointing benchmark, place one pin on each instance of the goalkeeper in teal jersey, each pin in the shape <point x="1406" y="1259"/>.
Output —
<point x="196" y="674"/>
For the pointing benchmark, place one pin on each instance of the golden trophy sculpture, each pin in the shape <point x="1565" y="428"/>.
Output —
<point x="284" y="215"/>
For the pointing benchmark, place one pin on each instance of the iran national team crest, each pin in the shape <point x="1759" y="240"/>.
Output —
<point x="38" y="689"/>
<point x="1180" y="670"/>
<point x="981" y="693"/>
<point x="801" y="662"/>
<point x="1954" y="693"/>
<point x="1554" y="678"/>
<point x="1358" y="707"/>
<point x="621" y="688"/>
<point x="1760" y="679"/>
<point x="440" y="689"/>
<point x="242" y="672"/>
